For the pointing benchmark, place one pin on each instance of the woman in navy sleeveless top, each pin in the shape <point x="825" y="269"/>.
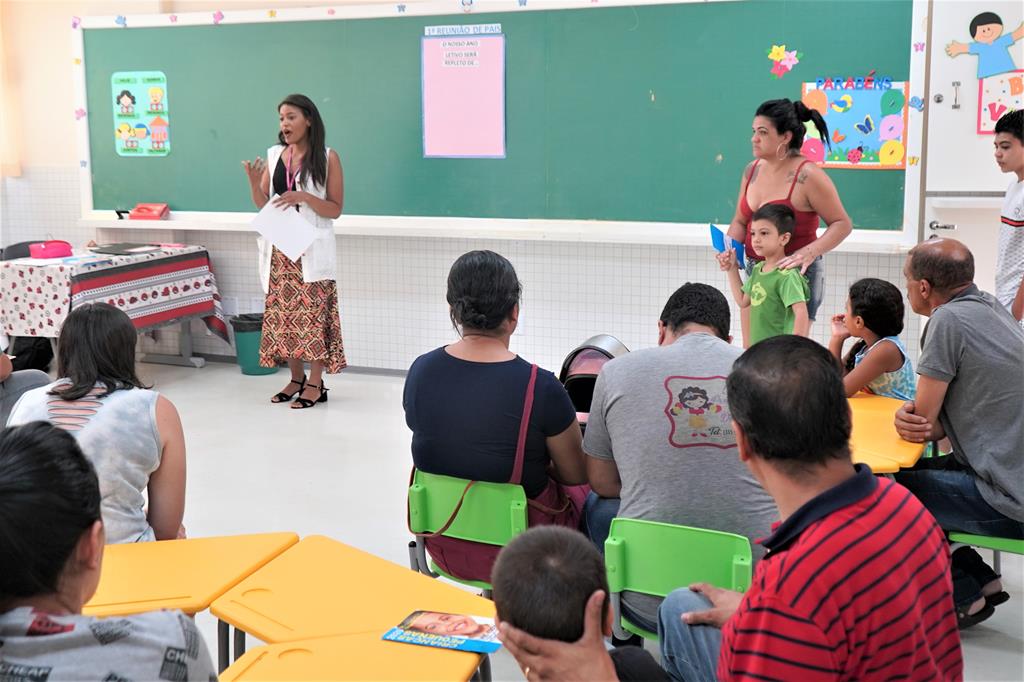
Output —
<point x="464" y="403"/>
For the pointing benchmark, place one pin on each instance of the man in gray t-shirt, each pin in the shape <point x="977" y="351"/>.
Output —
<point x="971" y="390"/>
<point x="659" y="436"/>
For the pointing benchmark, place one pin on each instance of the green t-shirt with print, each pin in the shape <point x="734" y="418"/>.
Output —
<point x="772" y="295"/>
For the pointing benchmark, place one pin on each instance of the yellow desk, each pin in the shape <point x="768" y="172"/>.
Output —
<point x="180" y="574"/>
<point x="874" y="440"/>
<point x="321" y="587"/>
<point x="351" y="657"/>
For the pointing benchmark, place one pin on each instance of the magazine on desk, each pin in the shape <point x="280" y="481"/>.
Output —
<point x="446" y="631"/>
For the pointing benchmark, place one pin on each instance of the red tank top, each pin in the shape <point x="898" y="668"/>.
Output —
<point x="806" y="221"/>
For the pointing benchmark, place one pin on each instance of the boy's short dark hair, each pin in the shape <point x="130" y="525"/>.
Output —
<point x="945" y="272"/>
<point x="779" y="215"/>
<point x="984" y="19"/>
<point x="787" y="395"/>
<point x="698" y="303"/>
<point x="1012" y="123"/>
<point x="543" y="579"/>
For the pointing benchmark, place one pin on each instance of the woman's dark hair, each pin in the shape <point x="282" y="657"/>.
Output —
<point x="97" y="345"/>
<point x="880" y="304"/>
<point x="314" y="165"/>
<point x="117" y="100"/>
<point x="984" y="19"/>
<point x="49" y="496"/>
<point x="789" y="116"/>
<point x="482" y="290"/>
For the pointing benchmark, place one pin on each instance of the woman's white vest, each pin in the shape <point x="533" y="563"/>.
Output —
<point x="319" y="260"/>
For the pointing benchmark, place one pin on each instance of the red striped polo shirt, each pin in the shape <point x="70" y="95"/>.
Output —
<point x="855" y="586"/>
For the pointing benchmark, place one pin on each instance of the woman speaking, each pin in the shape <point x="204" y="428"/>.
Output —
<point x="301" y="322"/>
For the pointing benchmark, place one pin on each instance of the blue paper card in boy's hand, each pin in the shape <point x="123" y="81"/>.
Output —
<point x="447" y="631"/>
<point x="718" y="241"/>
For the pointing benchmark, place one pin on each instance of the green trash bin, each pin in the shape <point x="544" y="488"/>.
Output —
<point x="248" y="332"/>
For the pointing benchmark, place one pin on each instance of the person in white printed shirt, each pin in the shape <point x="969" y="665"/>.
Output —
<point x="1009" y="145"/>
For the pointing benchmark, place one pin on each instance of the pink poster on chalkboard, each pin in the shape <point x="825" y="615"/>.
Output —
<point x="464" y="96"/>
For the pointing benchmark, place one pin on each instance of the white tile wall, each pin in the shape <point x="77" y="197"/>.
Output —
<point x="392" y="289"/>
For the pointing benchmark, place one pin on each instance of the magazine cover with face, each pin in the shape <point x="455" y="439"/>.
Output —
<point x="447" y="631"/>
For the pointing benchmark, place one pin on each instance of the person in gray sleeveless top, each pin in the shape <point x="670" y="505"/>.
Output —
<point x="132" y="435"/>
<point x="51" y="550"/>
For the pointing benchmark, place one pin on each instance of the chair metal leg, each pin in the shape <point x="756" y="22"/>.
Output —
<point x="421" y="557"/>
<point x="223" y="644"/>
<point x="617" y="628"/>
<point x="488" y="594"/>
<point x="997" y="561"/>
<point x="413" y="563"/>
<point x="483" y="673"/>
<point x="239" y="643"/>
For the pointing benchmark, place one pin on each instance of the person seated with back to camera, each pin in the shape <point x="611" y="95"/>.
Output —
<point x="131" y="434"/>
<point x="51" y="549"/>
<point x="465" y="403"/>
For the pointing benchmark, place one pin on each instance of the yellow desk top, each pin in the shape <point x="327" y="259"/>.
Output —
<point x="351" y="657"/>
<point x="321" y="587"/>
<point x="179" y="574"/>
<point x="874" y="440"/>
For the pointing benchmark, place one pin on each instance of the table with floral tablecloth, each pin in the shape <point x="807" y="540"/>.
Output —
<point x="155" y="289"/>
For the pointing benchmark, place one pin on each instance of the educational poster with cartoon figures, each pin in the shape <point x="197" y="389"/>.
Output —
<point x="698" y="413"/>
<point x="999" y="95"/>
<point x="141" y="119"/>
<point x="867" y="122"/>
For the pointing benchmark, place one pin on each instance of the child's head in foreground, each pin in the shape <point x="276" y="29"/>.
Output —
<point x="543" y="579"/>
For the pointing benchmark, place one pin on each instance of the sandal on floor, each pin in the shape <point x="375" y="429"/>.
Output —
<point x="305" y="403"/>
<point x="998" y="598"/>
<point x="965" y="620"/>
<point x="283" y="397"/>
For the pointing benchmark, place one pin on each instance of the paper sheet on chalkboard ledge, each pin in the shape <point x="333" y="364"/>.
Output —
<point x="286" y="229"/>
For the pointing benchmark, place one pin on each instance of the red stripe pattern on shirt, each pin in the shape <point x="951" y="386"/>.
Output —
<point x="863" y="593"/>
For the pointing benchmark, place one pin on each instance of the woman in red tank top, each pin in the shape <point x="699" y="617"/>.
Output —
<point x="781" y="174"/>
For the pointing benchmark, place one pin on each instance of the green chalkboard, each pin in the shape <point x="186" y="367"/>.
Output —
<point x="619" y="113"/>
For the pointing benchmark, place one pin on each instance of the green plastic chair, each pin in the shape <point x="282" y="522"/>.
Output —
<point x="491" y="513"/>
<point x="997" y="545"/>
<point x="657" y="558"/>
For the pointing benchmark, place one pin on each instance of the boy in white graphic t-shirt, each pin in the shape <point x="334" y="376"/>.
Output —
<point x="1009" y="145"/>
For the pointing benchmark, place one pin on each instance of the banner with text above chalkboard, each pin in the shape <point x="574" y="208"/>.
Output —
<point x="463" y="91"/>
<point x="141" y="119"/>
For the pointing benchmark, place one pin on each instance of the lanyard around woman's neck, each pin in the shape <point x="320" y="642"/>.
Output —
<point x="289" y="177"/>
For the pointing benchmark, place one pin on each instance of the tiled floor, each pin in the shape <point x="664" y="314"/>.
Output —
<point x="341" y="469"/>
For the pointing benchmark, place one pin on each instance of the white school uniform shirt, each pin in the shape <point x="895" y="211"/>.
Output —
<point x="319" y="260"/>
<point x="1010" y="263"/>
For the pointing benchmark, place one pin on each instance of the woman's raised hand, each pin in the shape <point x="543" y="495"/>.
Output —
<point x="254" y="170"/>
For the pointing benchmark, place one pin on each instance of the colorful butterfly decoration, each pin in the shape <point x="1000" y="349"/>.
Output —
<point x="913" y="160"/>
<point x="918" y="47"/>
<point x="837" y="136"/>
<point x="917" y="103"/>
<point x="121" y="21"/>
<point x="867" y="127"/>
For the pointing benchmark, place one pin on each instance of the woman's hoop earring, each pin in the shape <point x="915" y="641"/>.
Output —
<point x="784" y="154"/>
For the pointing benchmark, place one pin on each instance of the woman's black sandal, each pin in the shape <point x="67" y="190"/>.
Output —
<point x="304" y="403"/>
<point x="283" y="397"/>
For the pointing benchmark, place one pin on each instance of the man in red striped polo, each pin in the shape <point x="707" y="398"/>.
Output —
<point x="856" y="583"/>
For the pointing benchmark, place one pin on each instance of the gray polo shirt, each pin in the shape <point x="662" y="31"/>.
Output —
<point x="974" y="344"/>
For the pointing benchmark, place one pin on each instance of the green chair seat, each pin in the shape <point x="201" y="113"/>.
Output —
<point x="657" y="558"/>
<point x="987" y="542"/>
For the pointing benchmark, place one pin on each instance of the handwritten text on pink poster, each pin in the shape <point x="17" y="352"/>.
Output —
<point x="464" y="96"/>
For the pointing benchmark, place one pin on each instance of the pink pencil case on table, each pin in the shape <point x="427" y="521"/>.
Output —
<point x="54" y="248"/>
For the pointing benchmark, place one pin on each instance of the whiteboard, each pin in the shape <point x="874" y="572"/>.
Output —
<point x="958" y="158"/>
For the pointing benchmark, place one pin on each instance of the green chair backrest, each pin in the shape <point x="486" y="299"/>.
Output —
<point x="989" y="542"/>
<point x="657" y="558"/>
<point x="491" y="513"/>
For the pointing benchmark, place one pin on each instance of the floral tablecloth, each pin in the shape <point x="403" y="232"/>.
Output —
<point x="155" y="289"/>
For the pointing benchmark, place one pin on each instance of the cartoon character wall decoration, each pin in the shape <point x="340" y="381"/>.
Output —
<point x="143" y="130"/>
<point x="990" y="43"/>
<point x="867" y="121"/>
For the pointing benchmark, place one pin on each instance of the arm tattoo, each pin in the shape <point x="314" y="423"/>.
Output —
<point x="803" y="178"/>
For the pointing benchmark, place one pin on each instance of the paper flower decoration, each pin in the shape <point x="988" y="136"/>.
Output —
<point x="790" y="60"/>
<point x="784" y="60"/>
<point x="779" y="70"/>
<point x="777" y="53"/>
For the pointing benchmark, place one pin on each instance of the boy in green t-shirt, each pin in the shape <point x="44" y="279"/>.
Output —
<point x="777" y="298"/>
